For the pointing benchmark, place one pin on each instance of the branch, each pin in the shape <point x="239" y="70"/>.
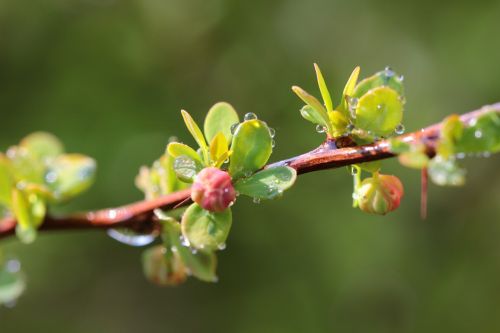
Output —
<point x="139" y="215"/>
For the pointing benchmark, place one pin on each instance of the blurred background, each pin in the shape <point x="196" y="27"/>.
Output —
<point x="109" y="78"/>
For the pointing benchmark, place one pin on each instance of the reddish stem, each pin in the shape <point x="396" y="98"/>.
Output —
<point x="139" y="215"/>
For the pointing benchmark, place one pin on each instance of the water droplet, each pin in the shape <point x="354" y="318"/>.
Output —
<point x="380" y="106"/>
<point x="250" y="116"/>
<point x="184" y="241"/>
<point x="127" y="236"/>
<point x="234" y="127"/>
<point x="400" y="129"/>
<point x="352" y="102"/>
<point x="256" y="200"/>
<point x="173" y="139"/>
<point x="221" y="246"/>
<point x="478" y="134"/>
<point x="350" y="128"/>
<point x="248" y="173"/>
<point x="320" y="129"/>
<point x="355" y="196"/>
<point x="401" y="78"/>
<point x="112" y="214"/>
<point x="460" y="156"/>
<point x="486" y="154"/>
<point x="51" y="177"/>
<point x="273" y="143"/>
<point x="272" y="132"/>
<point x="402" y="99"/>
<point x="354" y="171"/>
<point x="388" y="71"/>
<point x="13" y="266"/>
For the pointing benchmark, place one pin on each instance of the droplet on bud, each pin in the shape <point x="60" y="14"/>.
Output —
<point x="250" y="116"/>
<point x="272" y="132"/>
<point x="256" y="200"/>
<point x="478" y="134"/>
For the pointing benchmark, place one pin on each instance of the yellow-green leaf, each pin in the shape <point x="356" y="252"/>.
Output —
<point x="325" y="94"/>
<point x="219" y="119"/>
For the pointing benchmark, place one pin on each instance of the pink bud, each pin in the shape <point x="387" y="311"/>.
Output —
<point x="213" y="190"/>
<point x="380" y="194"/>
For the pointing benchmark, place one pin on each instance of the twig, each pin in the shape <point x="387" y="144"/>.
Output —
<point x="139" y="215"/>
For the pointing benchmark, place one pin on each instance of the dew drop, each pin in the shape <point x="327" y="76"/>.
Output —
<point x="486" y="154"/>
<point x="221" y="247"/>
<point x="184" y="241"/>
<point x="478" y="134"/>
<point x="250" y="116"/>
<point x="379" y="106"/>
<point x="401" y="78"/>
<point x="402" y="99"/>
<point x="131" y="238"/>
<point x="352" y="102"/>
<point x="320" y="129"/>
<point x="256" y="200"/>
<point x="273" y="143"/>
<point x="51" y="177"/>
<point x="388" y="71"/>
<point x="460" y="156"/>
<point x="272" y="132"/>
<point x="354" y="171"/>
<point x="13" y="266"/>
<point x="173" y="139"/>
<point x="400" y="129"/>
<point x="234" y="127"/>
<point x="350" y="128"/>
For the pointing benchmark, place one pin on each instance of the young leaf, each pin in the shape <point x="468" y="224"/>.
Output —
<point x="196" y="133"/>
<point x="202" y="264"/>
<point x="349" y="88"/>
<point x="26" y="223"/>
<point x="42" y="145"/>
<point x="176" y="149"/>
<point x="267" y="184"/>
<point x="70" y="174"/>
<point x="218" y="147"/>
<point x="219" y="119"/>
<point x="379" y="111"/>
<point x="325" y="94"/>
<point x="6" y="181"/>
<point x="251" y="147"/>
<point x="446" y="172"/>
<point x="315" y="104"/>
<point x="385" y="78"/>
<point x="482" y="135"/>
<point x="310" y="114"/>
<point x="12" y="283"/>
<point x="163" y="267"/>
<point x="186" y="168"/>
<point x="204" y="229"/>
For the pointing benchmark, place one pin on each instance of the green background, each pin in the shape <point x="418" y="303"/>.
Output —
<point x="109" y="78"/>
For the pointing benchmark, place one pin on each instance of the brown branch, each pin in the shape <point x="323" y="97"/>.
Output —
<point x="139" y="215"/>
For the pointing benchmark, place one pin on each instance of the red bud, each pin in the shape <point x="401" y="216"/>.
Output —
<point x="380" y="194"/>
<point x="213" y="190"/>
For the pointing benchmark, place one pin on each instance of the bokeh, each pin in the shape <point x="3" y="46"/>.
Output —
<point x="109" y="77"/>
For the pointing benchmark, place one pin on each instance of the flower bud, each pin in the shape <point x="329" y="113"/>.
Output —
<point x="379" y="194"/>
<point x="213" y="190"/>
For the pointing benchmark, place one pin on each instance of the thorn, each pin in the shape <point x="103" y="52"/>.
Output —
<point x="423" y="194"/>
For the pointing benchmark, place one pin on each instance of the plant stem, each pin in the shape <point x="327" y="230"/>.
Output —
<point x="139" y="215"/>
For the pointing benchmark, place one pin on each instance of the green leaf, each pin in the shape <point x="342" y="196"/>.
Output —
<point x="204" y="229"/>
<point x="176" y="149"/>
<point x="251" y="146"/>
<point x="219" y="119"/>
<point x="6" y="181"/>
<point x="163" y="267"/>
<point x="385" y="78"/>
<point x="315" y="104"/>
<point x="25" y="166"/>
<point x="42" y="145"/>
<point x="218" y="148"/>
<point x="202" y="264"/>
<point x="169" y="180"/>
<point x="196" y="133"/>
<point x="446" y="172"/>
<point x="414" y="159"/>
<point x="325" y="94"/>
<point x="186" y="168"/>
<point x="26" y="221"/>
<point x="70" y="174"/>
<point x="267" y="184"/>
<point x="481" y="136"/>
<point x="398" y="146"/>
<point x="310" y="114"/>
<point x="379" y="111"/>
<point x="370" y="166"/>
<point x="12" y="283"/>
<point x="349" y="89"/>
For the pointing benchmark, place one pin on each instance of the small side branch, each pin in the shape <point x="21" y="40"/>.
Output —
<point x="139" y="215"/>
